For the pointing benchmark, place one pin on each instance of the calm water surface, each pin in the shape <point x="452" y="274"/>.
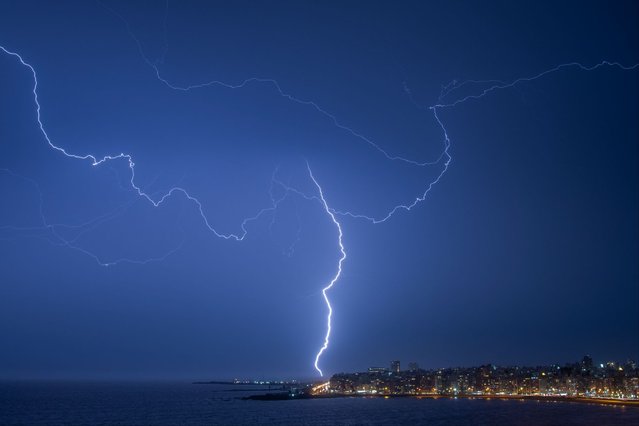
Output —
<point x="187" y="404"/>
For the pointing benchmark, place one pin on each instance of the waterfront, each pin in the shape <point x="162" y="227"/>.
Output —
<point x="583" y="381"/>
<point x="85" y="403"/>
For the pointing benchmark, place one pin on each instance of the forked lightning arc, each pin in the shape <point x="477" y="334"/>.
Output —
<point x="485" y="88"/>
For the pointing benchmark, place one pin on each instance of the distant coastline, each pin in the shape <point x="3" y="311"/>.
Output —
<point x="226" y="382"/>
<point x="271" y="385"/>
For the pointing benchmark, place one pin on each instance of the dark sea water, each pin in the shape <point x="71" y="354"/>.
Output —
<point x="187" y="404"/>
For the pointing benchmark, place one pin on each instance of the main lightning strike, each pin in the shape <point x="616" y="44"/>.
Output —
<point x="337" y="275"/>
<point x="446" y="91"/>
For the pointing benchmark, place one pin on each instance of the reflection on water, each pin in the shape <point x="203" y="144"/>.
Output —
<point x="184" y="403"/>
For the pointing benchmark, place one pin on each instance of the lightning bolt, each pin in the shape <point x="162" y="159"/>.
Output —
<point x="337" y="274"/>
<point x="444" y="158"/>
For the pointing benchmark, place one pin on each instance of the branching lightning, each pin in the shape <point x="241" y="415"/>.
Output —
<point x="96" y="161"/>
<point x="499" y="85"/>
<point x="443" y="160"/>
<point x="49" y="231"/>
<point x="495" y="85"/>
<point x="261" y="80"/>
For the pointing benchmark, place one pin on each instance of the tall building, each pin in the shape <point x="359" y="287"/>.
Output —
<point x="413" y="366"/>
<point x="395" y="366"/>
<point x="586" y="364"/>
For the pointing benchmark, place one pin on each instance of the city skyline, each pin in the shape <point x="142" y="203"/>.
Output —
<point x="617" y="381"/>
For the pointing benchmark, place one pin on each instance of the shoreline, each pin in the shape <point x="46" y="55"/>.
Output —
<point x="542" y="398"/>
<point x="538" y="398"/>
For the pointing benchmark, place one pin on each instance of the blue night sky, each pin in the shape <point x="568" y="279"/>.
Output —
<point x="524" y="252"/>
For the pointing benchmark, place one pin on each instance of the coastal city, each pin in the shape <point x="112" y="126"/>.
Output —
<point x="583" y="379"/>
